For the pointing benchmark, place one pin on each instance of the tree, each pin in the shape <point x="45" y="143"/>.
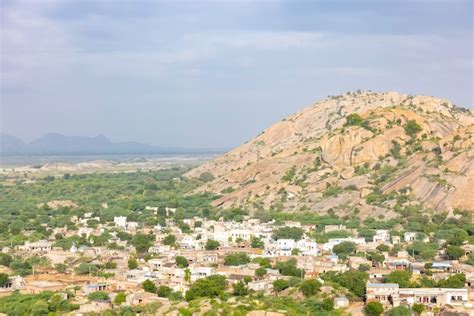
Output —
<point x="373" y="309"/>
<point x="260" y="272"/>
<point x="376" y="257"/>
<point x="212" y="244"/>
<point x="453" y="281"/>
<point x="470" y="259"/>
<point x="352" y="280"/>
<point x="98" y="296"/>
<point x="401" y="277"/>
<point x="344" y="249"/>
<point x="399" y="311"/>
<point x="454" y="252"/>
<point x="169" y="240"/>
<point x="383" y="248"/>
<point x="149" y="286"/>
<point x="206" y="176"/>
<point x="364" y="267"/>
<point x="164" y="291"/>
<point x="354" y="119"/>
<point x="142" y="242"/>
<point x="425" y="251"/>
<point x="295" y="233"/>
<point x="132" y="263"/>
<point x="418" y="308"/>
<point x="412" y="128"/>
<point x="257" y="243"/>
<point x="211" y="286"/>
<point x="181" y="262"/>
<point x="187" y="276"/>
<point x="3" y="279"/>
<point x="236" y="259"/>
<point x="310" y="287"/>
<point x="289" y="268"/>
<point x="5" y="259"/>
<point x="120" y="298"/>
<point x="39" y="308"/>
<point x="240" y="289"/>
<point x="280" y="285"/>
<point x="86" y="268"/>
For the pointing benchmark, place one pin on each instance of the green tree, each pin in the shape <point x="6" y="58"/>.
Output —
<point x="181" y="262"/>
<point x="120" y="298"/>
<point x="98" y="296"/>
<point x="401" y="277"/>
<point x="399" y="311"/>
<point x="164" y="291"/>
<point x="260" y="272"/>
<point x="344" y="249"/>
<point x="454" y="252"/>
<point x="142" y="242"/>
<point x="212" y="244"/>
<point x="418" y="308"/>
<point x="373" y="309"/>
<point x="310" y="287"/>
<point x="383" y="248"/>
<point x="257" y="243"/>
<point x="240" y="289"/>
<point x="354" y="119"/>
<point x="412" y="128"/>
<point x="456" y="281"/>
<point x="39" y="308"/>
<point x="5" y="259"/>
<point x="236" y="259"/>
<point x="295" y="233"/>
<point x="132" y="263"/>
<point x="206" y="176"/>
<point x="3" y="279"/>
<point x="169" y="240"/>
<point x="280" y="285"/>
<point x="289" y="268"/>
<point x="149" y="286"/>
<point x="211" y="286"/>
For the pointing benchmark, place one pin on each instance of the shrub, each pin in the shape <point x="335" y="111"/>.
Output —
<point x="373" y="309"/>
<point x="412" y="128"/>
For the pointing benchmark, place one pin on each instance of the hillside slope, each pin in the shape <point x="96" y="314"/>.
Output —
<point x="368" y="152"/>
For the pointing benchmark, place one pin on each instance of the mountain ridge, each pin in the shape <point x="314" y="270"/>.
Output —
<point x="315" y="160"/>
<point x="59" y="144"/>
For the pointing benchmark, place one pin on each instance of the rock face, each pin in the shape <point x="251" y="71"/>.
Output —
<point x="398" y="150"/>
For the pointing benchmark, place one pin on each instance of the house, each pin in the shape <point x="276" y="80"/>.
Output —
<point x="14" y="283"/>
<point x="331" y="228"/>
<point x="382" y="236"/>
<point x="142" y="298"/>
<point x="433" y="296"/>
<point x="384" y="293"/>
<point x="261" y="285"/>
<point x="120" y="221"/>
<point x="36" y="287"/>
<point x="341" y="302"/>
<point x="40" y="246"/>
<point x="94" y="287"/>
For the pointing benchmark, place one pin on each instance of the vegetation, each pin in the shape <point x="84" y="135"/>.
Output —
<point x="294" y="233"/>
<point x="236" y="259"/>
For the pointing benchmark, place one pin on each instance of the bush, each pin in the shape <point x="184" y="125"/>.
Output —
<point x="211" y="286"/>
<point x="310" y="287"/>
<point x="236" y="259"/>
<point x="399" y="311"/>
<point x="373" y="309"/>
<point x="212" y="244"/>
<point x="280" y="285"/>
<point x="294" y="233"/>
<point x="98" y="296"/>
<point x="181" y="262"/>
<point x="454" y="252"/>
<point x="344" y="249"/>
<point x="412" y="128"/>
<point x="149" y="286"/>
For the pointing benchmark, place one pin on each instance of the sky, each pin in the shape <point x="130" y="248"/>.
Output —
<point x="214" y="74"/>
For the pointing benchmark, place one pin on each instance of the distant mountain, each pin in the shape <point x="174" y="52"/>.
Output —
<point x="54" y="143"/>
<point x="11" y="144"/>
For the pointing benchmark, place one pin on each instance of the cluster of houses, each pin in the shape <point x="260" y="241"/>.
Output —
<point x="232" y="237"/>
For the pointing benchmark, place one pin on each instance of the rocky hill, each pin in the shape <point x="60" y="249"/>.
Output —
<point x="364" y="152"/>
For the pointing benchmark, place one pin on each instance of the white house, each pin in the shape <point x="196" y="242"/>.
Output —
<point x="120" y="221"/>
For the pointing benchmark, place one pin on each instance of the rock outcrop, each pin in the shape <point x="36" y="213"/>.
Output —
<point x="366" y="152"/>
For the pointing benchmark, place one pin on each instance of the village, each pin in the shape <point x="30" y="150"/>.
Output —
<point x="246" y="253"/>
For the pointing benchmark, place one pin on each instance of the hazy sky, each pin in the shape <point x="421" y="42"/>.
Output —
<point x="216" y="73"/>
